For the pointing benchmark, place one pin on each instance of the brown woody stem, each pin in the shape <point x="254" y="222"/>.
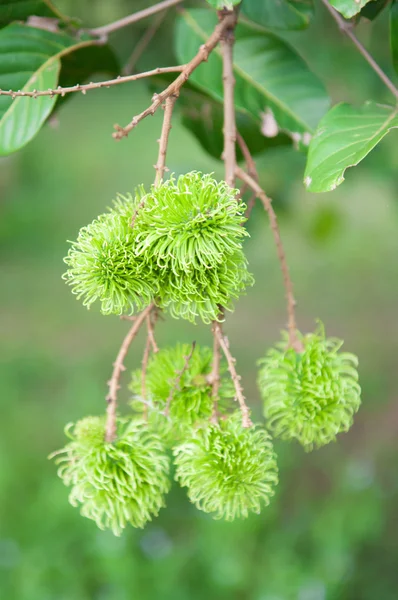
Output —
<point x="105" y="30"/>
<point x="118" y="368"/>
<point x="174" y="88"/>
<point x="294" y="342"/>
<point x="346" y="28"/>
<point x="62" y="91"/>
<point x="224" y="344"/>
<point x="164" y="139"/>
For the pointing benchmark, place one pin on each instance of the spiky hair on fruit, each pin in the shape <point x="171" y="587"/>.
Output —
<point x="311" y="395"/>
<point x="178" y="383"/>
<point x="179" y="245"/>
<point x="191" y="229"/>
<point x="228" y="470"/>
<point x="114" y="483"/>
<point x="103" y="264"/>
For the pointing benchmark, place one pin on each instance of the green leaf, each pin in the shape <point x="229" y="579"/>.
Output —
<point x="373" y="8"/>
<point x="30" y="59"/>
<point x="203" y="117"/>
<point x="343" y="138"/>
<point x="20" y="10"/>
<point x="394" y="33"/>
<point x="220" y="4"/>
<point x="279" y="14"/>
<point x="348" y="8"/>
<point x="273" y="84"/>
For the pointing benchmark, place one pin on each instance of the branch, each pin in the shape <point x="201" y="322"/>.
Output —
<point x="294" y="342"/>
<point x="164" y="139"/>
<point x="105" y="30"/>
<point x="143" y="43"/>
<point x="118" y="368"/>
<point x="177" y="382"/>
<point x="144" y="363"/>
<point x="346" y="27"/>
<point x="61" y="91"/>
<point x="227" y="46"/>
<point x="174" y="88"/>
<point x="223" y="341"/>
<point x="215" y="374"/>
<point x="150" y="328"/>
<point x="251" y="169"/>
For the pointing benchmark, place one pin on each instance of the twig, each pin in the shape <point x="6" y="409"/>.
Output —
<point x="150" y="328"/>
<point x="229" y="130"/>
<point x="143" y="43"/>
<point x="294" y="342"/>
<point x="177" y="382"/>
<point x="251" y="169"/>
<point x="144" y="363"/>
<point x="61" y="91"/>
<point x="215" y="374"/>
<point x="164" y="139"/>
<point x="118" y="368"/>
<point x="346" y="27"/>
<point x="105" y="30"/>
<point x="174" y="88"/>
<point x="223" y="341"/>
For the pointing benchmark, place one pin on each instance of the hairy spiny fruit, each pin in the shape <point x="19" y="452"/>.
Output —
<point x="228" y="470"/>
<point x="114" y="483"/>
<point x="312" y="395"/>
<point x="178" y="384"/>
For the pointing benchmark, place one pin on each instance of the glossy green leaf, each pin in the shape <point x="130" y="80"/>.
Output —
<point x="21" y="10"/>
<point x="273" y="83"/>
<point x="30" y="59"/>
<point x="343" y="138"/>
<point x="394" y="33"/>
<point x="279" y="14"/>
<point x="348" y="8"/>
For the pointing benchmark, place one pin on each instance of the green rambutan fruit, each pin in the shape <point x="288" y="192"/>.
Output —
<point x="228" y="470"/>
<point x="181" y="388"/>
<point x="311" y="395"/>
<point x="114" y="483"/>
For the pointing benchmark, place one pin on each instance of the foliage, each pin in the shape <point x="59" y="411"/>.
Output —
<point x="343" y="138"/>
<point x="229" y="471"/>
<point x="36" y="59"/>
<point x="114" y="483"/>
<point x="309" y="396"/>
<point x="186" y="387"/>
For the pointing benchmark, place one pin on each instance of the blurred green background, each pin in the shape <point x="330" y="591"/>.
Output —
<point x="331" y="531"/>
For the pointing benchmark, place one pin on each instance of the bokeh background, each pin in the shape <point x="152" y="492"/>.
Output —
<point x="331" y="531"/>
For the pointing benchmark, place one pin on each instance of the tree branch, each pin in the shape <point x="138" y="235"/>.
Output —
<point x="294" y="342"/>
<point x="346" y="27"/>
<point x="177" y="382"/>
<point x="223" y="341"/>
<point x="227" y="46"/>
<point x="164" y="139"/>
<point x="174" y="88"/>
<point x="105" y="30"/>
<point x="61" y="91"/>
<point x="118" y="368"/>
<point x="150" y="328"/>
<point x="144" y="364"/>
<point x="143" y="43"/>
<point x="215" y="374"/>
